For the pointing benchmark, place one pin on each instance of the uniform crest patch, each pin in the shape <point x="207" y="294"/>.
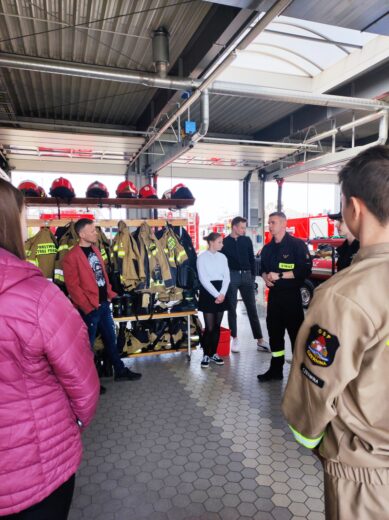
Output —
<point x="321" y="346"/>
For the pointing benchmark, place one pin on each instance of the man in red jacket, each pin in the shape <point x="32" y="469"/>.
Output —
<point x="90" y="291"/>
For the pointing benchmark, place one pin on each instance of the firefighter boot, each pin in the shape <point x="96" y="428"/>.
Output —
<point x="275" y="371"/>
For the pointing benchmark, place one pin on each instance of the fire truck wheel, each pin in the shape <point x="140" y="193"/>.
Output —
<point x="307" y="293"/>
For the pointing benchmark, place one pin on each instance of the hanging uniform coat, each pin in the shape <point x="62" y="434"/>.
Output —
<point x="188" y="277"/>
<point x="41" y="250"/>
<point x="157" y="273"/>
<point x="104" y="246"/>
<point x="68" y="240"/>
<point x="126" y="258"/>
<point x="177" y="259"/>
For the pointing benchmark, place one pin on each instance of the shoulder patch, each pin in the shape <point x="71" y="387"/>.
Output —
<point x="311" y="376"/>
<point x="321" y="346"/>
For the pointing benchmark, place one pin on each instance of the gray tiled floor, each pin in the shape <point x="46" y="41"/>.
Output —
<point x="186" y="443"/>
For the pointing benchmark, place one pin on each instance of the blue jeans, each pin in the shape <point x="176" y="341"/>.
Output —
<point x="101" y="319"/>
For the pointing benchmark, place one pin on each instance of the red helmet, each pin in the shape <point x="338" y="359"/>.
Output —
<point x="42" y="192"/>
<point x="148" y="192"/>
<point x="167" y="194"/>
<point x="62" y="189"/>
<point x="29" y="189"/>
<point x="127" y="189"/>
<point x="97" y="190"/>
<point x="180" y="191"/>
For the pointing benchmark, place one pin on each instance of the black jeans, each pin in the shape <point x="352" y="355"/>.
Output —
<point x="101" y="319"/>
<point x="211" y="334"/>
<point x="245" y="283"/>
<point x="55" y="506"/>
<point x="284" y="313"/>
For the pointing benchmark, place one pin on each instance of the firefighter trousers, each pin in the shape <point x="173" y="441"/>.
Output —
<point x="284" y="313"/>
<point x="355" y="493"/>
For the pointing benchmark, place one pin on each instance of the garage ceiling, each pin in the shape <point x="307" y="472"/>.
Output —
<point x="118" y="34"/>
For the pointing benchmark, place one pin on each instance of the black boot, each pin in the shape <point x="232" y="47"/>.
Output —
<point x="275" y="372"/>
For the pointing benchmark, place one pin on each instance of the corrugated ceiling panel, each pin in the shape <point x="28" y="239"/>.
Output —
<point x="117" y="42"/>
<point x="245" y="116"/>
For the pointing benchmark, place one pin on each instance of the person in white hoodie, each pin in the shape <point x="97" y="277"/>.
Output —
<point x="214" y="276"/>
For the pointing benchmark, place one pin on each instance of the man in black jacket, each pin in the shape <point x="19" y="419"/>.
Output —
<point x="285" y="263"/>
<point x="350" y="246"/>
<point x="240" y="255"/>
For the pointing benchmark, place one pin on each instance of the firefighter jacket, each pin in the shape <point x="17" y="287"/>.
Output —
<point x="153" y="258"/>
<point x="126" y="258"/>
<point x="190" y="279"/>
<point x="41" y="250"/>
<point x="81" y="282"/>
<point x="178" y="262"/>
<point x="68" y="240"/>
<point x="104" y="247"/>
<point x="337" y="393"/>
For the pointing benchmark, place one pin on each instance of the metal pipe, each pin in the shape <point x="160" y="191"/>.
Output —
<point x="74" y="127"/>
<point x="292" y="96"/>
<point x="271" y="143"/>
<point x="14" y="61"/>
<point x="382" y="115"/>
<point x="175" y="83"/>
<point x="218" y="67"/>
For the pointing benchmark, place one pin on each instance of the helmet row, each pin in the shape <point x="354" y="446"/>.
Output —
<point x="61" y="188"/>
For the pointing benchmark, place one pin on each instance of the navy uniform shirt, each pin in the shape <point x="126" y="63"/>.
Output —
<point x="346" y="253"/>
<point x="240" y="253"/>
<point x="291" y="254"/>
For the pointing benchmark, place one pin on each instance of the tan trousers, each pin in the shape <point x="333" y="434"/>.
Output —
<point x="355" y="493"/>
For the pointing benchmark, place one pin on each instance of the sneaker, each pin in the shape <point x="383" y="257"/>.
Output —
<point x="205" y="362"/>
<point x="127" y="375"/>
<point x="217" y="359"/>
<point x="263" y="346"/>
<point x="235" y="347"/>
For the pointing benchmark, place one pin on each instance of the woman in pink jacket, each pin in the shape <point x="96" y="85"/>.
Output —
<point x="48" y="382"/>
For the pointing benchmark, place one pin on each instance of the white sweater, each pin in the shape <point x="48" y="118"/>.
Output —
<point x="213" y="266"/>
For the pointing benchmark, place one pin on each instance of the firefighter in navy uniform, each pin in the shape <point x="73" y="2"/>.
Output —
<point x="350" y="246"/>
<point x="336" y="401"/>
<point x="285" y="263"/>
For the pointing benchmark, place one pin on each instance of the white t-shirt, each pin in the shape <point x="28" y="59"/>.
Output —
<point x="213" y="266"/>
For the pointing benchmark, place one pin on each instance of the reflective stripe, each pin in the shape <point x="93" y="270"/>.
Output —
<point x="121" y="254"/>
<point x="63" y="247"/>
<point x="308" y="443"/>
<point x="34" y="262"/>
<point x="278" y="354"/>
<point x="46" y="249"/>
<point x="289" y="267"/>
<point x="180" y="254"/>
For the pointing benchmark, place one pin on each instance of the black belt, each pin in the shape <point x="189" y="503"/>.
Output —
<point x="241" y="271"/>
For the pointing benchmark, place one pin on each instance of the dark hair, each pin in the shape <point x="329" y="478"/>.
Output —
<point x="81" y="223"/>
<point x="237" y="220"/>
<point x="280" y="214"/>
<point x="366" y="177"/>
<point x="11" y="207"/>
<point x="212" y="237"/>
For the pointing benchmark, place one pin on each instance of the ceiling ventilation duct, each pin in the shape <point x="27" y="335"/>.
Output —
<point x="161" y="51"/>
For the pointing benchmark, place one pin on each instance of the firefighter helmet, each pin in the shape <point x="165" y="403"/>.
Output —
<point x="62" y="189"/>
<point x="42" y="192"/>
<point x="167" y="194"/>
<point x="148" y="192"/>
<point x="180" y="191"/>
<point x="29" y="189"/>
<point x="127" y="189"/>
<point x="97" y="190"/>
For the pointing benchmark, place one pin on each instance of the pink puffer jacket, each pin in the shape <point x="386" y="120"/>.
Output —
<point x="48" y="381"/>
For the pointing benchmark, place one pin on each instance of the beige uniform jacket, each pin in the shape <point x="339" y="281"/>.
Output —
<point x="338" y="389"/>
<point x="41" y="250"/>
